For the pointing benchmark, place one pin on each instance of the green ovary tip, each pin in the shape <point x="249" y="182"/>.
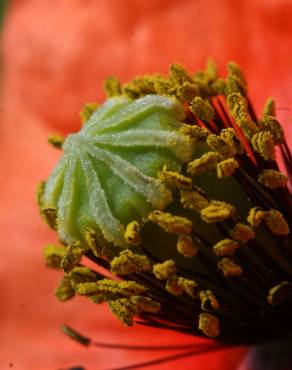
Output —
<point x="108" y="175"/>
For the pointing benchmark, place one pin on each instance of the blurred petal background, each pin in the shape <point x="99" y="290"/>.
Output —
<point x="55" y="56"/>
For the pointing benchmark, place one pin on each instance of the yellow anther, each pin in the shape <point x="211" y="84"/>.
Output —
<point x="178" y="285"/>
<point x="209" y="324"/>
<point x="194" y="199"/>
<point x="202" y="109"/>
<point x="218" y="144"/>
<point x="204" y="163"/>
<point x="175" y="179"/>
<point x="87" y="111"/>
<point x="53" y="255"/>
<point x="185" y="246"/>
<point x="140" y="86"/>
<point x="187" y="91"/>
<point x="170" y="223"/>
<point x="72" y="257"/>
<point x="96" y="242"/>
<point x="242" y="233"/>
<point x="269" y="107"/>
<point x="225" y="247"/>
<point x="211" y="69"/>
<point x="217" y="211"/>
<point x="275" y="221"/>
<point x="204" y="82"/>
<point x="230" y="137"/>
<point x="239" y="110"/>
<point x="111" y="288"/>
<point x="280" y="293"/>
<point x="227" y="167"/>
<point x="164" y="270"/>
<point x="195" y="132"/>
<point x="128" y="262"/>
<point x="229" y="267"/>
<point x="112" y="87"/>
<point x="255" y="216"/>
<point x="64" y="291"/>
<point x="81" y="274"/>
<point x="208" y="301"/>
<point x="269" y="123"/>
<point x="236" y="81"/>
<point x="178" y="74"/>
<point x="56" y="141"/>
<point x="50" y="216"/>
<point x="164" y="86"/>
<point x="264" y="144"/>
<point x="272" y="179"/>
<point x="126" y="308"/>
<point x="133" y="233"/>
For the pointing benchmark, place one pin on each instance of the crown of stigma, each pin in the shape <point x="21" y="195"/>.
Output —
<point x="172" y="184"/>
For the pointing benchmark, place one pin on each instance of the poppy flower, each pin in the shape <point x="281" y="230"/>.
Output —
<point x="55" y="58"/>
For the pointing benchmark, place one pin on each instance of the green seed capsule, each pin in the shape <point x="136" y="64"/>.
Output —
<point x="108" y="175"/>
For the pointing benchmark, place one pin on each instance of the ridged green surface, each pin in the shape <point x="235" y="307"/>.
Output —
<point x="108" y="174"/>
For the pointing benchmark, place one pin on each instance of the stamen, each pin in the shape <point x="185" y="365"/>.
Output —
<point x="209" y="324"/>
<point x="194" y="199"/>
<point x="178" y="74"/>
<point x="225" y="247"/>
<point x="208" y="301"/>
<point x="64" y="291"/>
<point x="126" y="308"/>
<point x="185" y="246"/>
<point x="271" y="125"/>
<point x="187" y="91"/>
<point x="242" y="233"/>
<point x="53" y="255"/>
<point x="96" y="242"/>
<point x="275" y="221"/>
<point x="72" y="257"/>
<point x="229" y="267"/>
<point x="202" y="109"/>
<point x="227" y="167"/>
<point x="177" y="285"/>
<point x="217" y="211"/>
<point x="255" y="216"/>
<point x="164" y="270"/>
<point x="50" y="216"/>
<point x="236" y="81"/>
<point x="219" y="145"/>
<point x="230" y="137"/>
<point x="132" y="233"/>
<point x="56" y="141"/>
<point x="111" y="287"/>
<point x="175" y="179"/>
<point x="128" y="262"/>
<point x="87" y="111"/>
<point x="269" y="107"/>
<point x="112" y="87"/>
<point x="170" y="223"/>
<point x="204" y="163"/>
<point x="272" y="179"/>
<point x="195" y="132"/>
<point x="81" y="274"/>
<point x="263" y="143"/>
<point x="239" y="111"/>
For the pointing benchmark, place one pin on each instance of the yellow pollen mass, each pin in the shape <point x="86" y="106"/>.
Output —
<point x="209" y="324"/>
<point x="132" y="233"/>
<point x="229" y="267"/>
<point x="170" y="223"/>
